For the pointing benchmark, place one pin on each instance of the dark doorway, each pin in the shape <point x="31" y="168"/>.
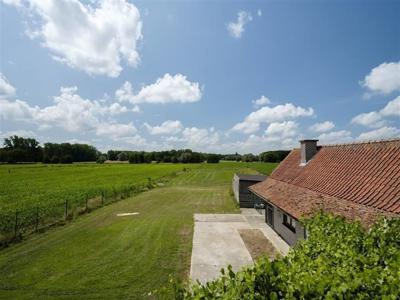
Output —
<point x="269" y="215"/>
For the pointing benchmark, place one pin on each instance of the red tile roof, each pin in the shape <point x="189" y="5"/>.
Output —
<point x="355" y="180"/>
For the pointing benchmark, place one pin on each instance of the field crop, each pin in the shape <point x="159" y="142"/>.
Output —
<point x="34" y="196"/>
<point x="102" y="256"/>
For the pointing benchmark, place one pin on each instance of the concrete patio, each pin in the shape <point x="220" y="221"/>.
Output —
<point x="217" y="242"/>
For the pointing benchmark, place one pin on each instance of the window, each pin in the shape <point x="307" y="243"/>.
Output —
<point x="289" y="222"/>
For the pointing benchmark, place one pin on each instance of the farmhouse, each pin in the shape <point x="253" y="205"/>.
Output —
<point x="240" y="187"/>
<point x="359" y="181"/>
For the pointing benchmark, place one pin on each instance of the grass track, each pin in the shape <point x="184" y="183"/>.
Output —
<point x="102" y="256"/>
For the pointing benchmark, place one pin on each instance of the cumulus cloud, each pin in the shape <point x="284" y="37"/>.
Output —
<point x="94" y="39"/>
<point x="246" y="127"/>
<point x="261" y="101"/>
<point x="6" y="88"/>
<point x="322" y="127"/>
<point x="115" y="130"/>
<point x="200" y="138"/>
<point x="236" y="29"/>
<point x="392" y="108"/>
<point x="116" y="109"/>
<point x="381" y="133"/>
<point x="371" y="119"/>
<point x="334" y="137"/>
<point x="384" y="78"/>
<point x="283" y="129"/>
<point x="167" y="89"/>
<point x="70" y="112"/>
<point x="167" y="127"/>
<point x="268" y="114"/>
<point x="375" y="119"/>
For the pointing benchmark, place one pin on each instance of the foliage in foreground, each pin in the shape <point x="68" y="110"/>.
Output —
<point x="339" y="260"/>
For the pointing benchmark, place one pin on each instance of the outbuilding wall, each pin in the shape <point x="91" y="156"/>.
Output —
<point x="278" y="225"/>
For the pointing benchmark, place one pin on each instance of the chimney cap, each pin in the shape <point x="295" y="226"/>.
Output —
<point x="308" y="140"/>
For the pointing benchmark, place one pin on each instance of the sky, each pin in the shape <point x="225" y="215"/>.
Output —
<point x="213" y="76"/>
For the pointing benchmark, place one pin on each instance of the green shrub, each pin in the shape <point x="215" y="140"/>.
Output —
<point x="339" y="260"/>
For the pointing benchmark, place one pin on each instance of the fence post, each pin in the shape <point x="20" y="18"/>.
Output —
<point x="87" y="199"/>
<point x="16" y="224"/>
<point x="37" y="218"/>
<point x="102" y="198"/>
<point x="66" y="209"/>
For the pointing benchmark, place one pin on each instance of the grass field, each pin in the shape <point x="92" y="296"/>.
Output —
<point x="100" y="255"/>
<point x="28" y="185"/>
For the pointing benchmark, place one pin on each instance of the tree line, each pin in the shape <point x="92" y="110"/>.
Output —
<point x="19" y="149"/>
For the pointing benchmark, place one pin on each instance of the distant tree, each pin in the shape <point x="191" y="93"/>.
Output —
<point x="273" y="156"/>
<point x="212" y="158"/>
<point x="122" y="156"/>
<point x="19" y="149"/>
<point x="66" y="159"/>
<point x="112" y="155"/>
<point x="101" y="159"/>
<point x="55" y="159"/>
<point x="249" y="157"/>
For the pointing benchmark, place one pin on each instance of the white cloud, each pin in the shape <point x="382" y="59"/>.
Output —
<point x="88" y="38"/>
<point x="261" y="101"/>
<point x="200" y="138"/>
<point x="384" y="78"/>
<point x="167" y="89"/>
<point x="116" y="109"/>
<point x="376" y="119"/>
<point x="6" y="89"/>
<point x="381" y="133"/>
<point x="259" y="12"/>
<point x="70" y="112"/>
<point x="20" y="132"/>
<point x="335" y="137"/>
<point x="246" y="127"/>
<point x="115" y="130"/>
<point x="392" y="108"/>
<point x="16" y="110"/>
<point x="283" y="129"/>
<point x="236" y="29"/>
<point x="167" y="127"/>
<point x="371" y="119"/>
<point x="322" y="127"/>
<point x="268" y="114"/>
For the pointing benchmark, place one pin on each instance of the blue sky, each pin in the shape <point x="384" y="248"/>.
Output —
<point x="152" y="75"/>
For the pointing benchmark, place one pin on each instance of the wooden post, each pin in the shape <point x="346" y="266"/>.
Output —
<point x="87" y="199"/>
<point x="16" y="224"/>
<point x="37" y="218"/>
<point x="102" y="198"/>
<point x="66" y="209"/>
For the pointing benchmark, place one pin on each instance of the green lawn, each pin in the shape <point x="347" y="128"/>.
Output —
<point x="100" y="255"/>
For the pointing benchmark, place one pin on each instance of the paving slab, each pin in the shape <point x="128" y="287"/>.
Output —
<point x="217" y="242"/>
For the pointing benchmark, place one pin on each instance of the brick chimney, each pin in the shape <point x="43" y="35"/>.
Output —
<point x="308" y="149"/>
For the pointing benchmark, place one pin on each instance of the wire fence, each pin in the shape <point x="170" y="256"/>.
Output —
<point x="14" y="225"/>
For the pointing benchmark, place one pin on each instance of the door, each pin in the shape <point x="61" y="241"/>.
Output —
<point x="269" y="215"/>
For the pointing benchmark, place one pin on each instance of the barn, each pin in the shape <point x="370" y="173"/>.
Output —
<point x="240" y="187"/>
<point x="359" y="181"/>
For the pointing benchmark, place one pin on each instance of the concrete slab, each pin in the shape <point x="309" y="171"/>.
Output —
<point x="217" y="242"/>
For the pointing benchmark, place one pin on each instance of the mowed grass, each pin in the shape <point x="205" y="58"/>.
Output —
<point x="102" y="256"/>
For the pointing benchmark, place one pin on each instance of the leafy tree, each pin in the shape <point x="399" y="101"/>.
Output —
<point x="212" y="158"/>
<point x="122" y="156"/>
<point x="19" y="149"/>
<point x="273" y="156"/>
<point x="101" y="159"/>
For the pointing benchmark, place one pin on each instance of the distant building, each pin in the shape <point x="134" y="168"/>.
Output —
<point x="360" y="181"/>
<point x="240" y="187"/>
